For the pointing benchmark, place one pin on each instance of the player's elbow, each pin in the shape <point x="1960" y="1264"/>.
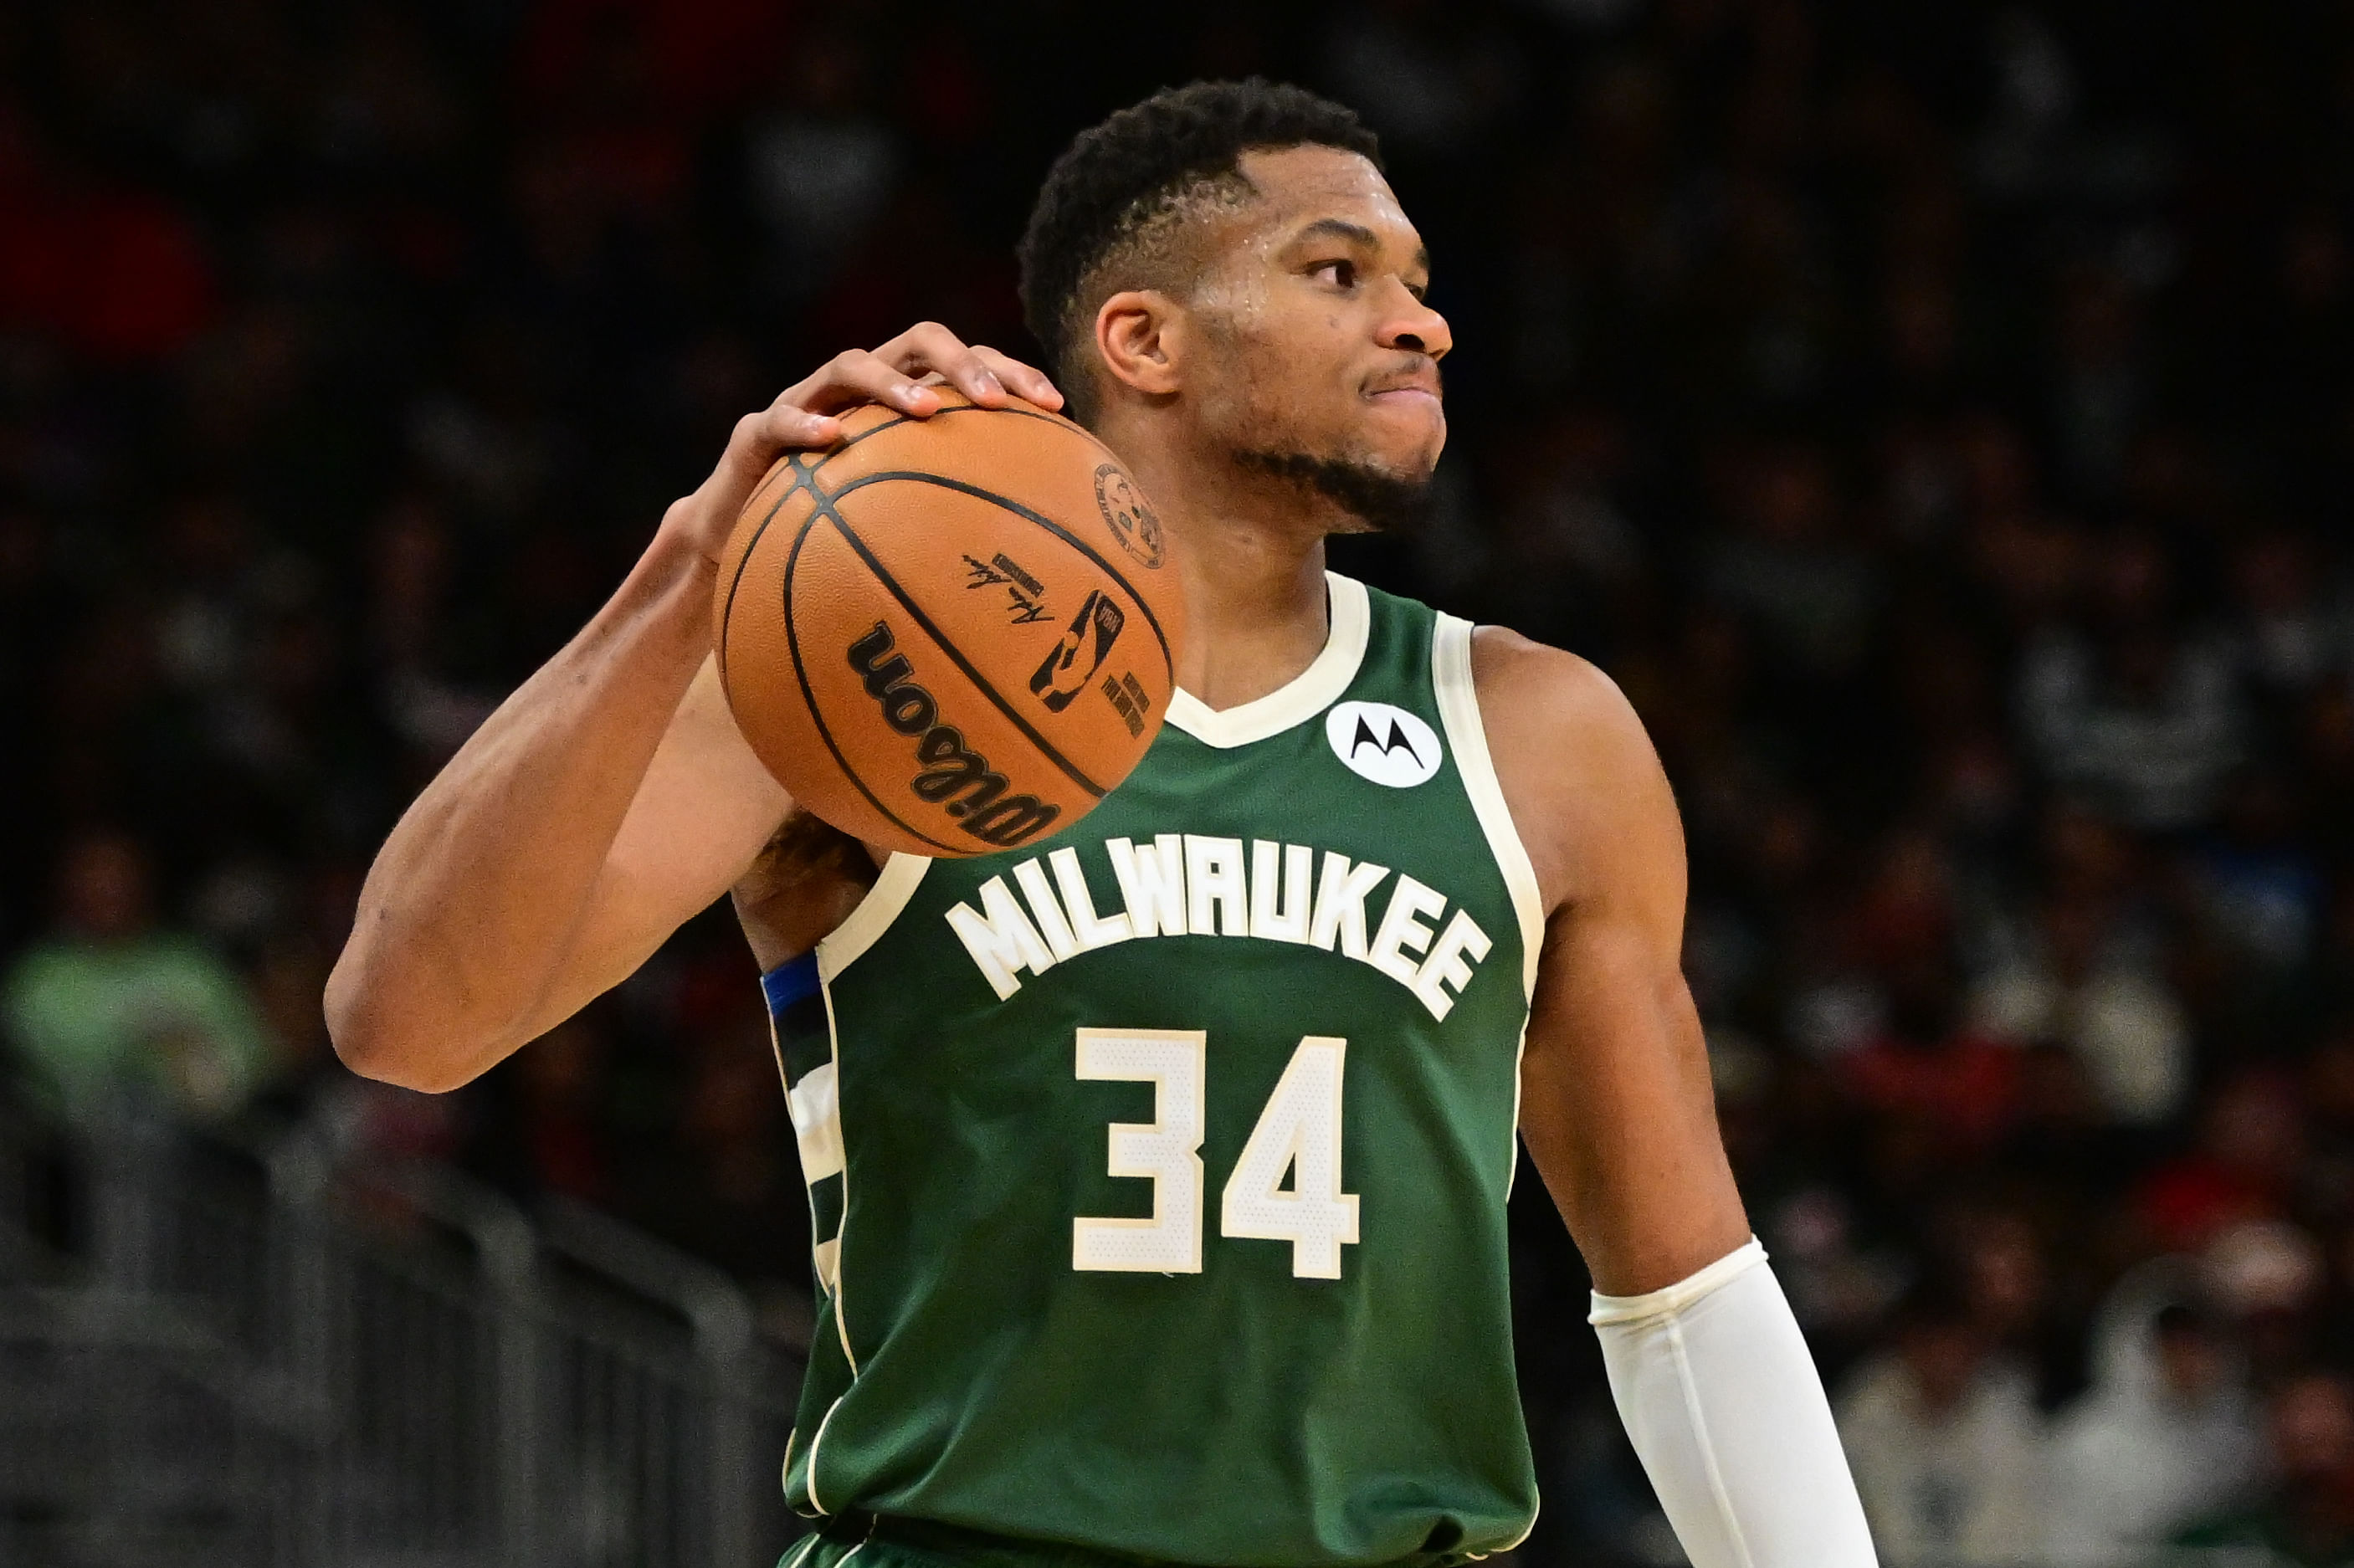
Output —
<point x="377" y="1042"/>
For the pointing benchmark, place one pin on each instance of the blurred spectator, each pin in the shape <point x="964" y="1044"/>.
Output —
<point x="1947" y="1446"/>
<point x="2243" y="1166"/>
<point x="725" y="1178"/>
<point x="112" y="1005"/>
<point x="1570" y="553"/>
<point x="2165" y="1435"/>
<point x="823" y="162"/>
<point x="2067" y="981"/>
<point x="2268" y="1278"/>
<point x="2259" y="888"/>
<point x="551" y="1131"/>
<point x="2305" y="1516"/>
<point x="1928" y="1068"/>
<point x="1786" y="564"/>
<point x="2295" y="626"/>
<point x="2101" y="380"/>
<point x="1426" y="82"/>
<point x="2141" y="716"/>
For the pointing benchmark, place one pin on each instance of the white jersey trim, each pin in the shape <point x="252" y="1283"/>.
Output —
<point x="849" y="941"/>
<point x="1302" y="697"/>
<point x="863" y="1541"/>
<point x="809" y="1477"/>
<point x="1467" y="737"/>
<point x="1521" y="1539"/>
<point x="830" y="1261"/>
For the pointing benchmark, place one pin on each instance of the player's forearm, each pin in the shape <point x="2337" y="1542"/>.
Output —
<point x="1724" y="1405"/>
<point x="466" y="917"/>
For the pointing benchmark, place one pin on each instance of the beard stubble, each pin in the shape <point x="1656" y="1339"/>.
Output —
<point x="1376" y="500"/>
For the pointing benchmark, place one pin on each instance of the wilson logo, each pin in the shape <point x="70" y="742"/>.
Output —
<point x="953" y="774"/>
<point x="1383" y="742"/>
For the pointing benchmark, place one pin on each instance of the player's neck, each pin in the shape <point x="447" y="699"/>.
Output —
<point x="1251" y="559"/>
<point x="1256" y="607"/>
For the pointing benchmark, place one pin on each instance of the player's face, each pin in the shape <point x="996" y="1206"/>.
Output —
<point x="1321" y="342"/>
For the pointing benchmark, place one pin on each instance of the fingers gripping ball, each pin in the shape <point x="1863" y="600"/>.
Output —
<point x="949" y="636"/>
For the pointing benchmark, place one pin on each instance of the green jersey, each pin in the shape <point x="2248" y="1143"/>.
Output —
<point x="1157" y="1167"/>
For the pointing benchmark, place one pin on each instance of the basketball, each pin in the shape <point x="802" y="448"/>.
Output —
<point x="949" y="636"/>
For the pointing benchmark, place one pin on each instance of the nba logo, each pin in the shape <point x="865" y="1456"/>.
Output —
<point x="1080" y="653"/>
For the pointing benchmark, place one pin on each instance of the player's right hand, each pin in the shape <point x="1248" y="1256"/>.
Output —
<point x="802" y="417"/>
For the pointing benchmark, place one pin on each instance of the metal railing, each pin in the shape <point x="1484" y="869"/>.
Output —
<point x="215" y="1353"/>
<point x="219" y="1353"/>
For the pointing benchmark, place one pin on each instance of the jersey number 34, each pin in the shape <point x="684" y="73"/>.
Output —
<point x="1298" y="1132"/>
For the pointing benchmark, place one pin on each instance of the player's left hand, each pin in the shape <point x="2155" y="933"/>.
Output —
<point x="803" y="417"/>
<point x="928" y="354"/>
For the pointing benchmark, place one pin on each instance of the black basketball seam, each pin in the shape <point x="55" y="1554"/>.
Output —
<point x="1045" y="748"/>
<point x="836" y="452"/>
<point x="1055" y="419"/>
<point x="742" y="562"/>
<point x="1041" y="520"/>
<point x="809" y="697"/>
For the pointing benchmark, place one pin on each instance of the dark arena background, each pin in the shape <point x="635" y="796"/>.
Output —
<point x="1937" y="416"/>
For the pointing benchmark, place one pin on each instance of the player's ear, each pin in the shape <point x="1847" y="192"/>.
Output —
<point x="1132" y="332"/>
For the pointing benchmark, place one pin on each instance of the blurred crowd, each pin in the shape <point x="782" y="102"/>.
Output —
<point x="1936" y="417"/>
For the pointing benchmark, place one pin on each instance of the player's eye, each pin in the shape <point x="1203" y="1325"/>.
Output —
<point x="1341" y="274"/>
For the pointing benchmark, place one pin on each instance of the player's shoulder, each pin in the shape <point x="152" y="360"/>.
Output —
<point x="1549" y="685"/>
<point x="1525" y="684"/>
<point x="1534" y="697"/>
<point x="1577" y="770"/>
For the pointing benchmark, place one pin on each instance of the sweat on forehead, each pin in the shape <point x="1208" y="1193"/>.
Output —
<point x="1162" y="240"/>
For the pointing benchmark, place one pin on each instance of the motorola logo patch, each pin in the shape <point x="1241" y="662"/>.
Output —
<point x="1384" y="744"/>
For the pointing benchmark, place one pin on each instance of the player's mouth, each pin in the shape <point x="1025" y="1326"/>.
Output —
<point x="1417" y="392"/>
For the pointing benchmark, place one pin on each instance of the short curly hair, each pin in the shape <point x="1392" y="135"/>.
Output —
<point x="1122" y="189"/>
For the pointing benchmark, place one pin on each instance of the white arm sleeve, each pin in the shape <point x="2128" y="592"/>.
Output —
<point x="1727" y="1414"/>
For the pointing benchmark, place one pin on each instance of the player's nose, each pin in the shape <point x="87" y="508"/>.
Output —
<point x="1413" y="327"/>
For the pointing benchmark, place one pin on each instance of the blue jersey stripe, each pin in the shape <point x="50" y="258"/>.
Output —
<point x="788" y="982"/>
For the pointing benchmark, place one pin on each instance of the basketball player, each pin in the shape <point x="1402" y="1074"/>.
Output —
<point x="1159" y="1167"/>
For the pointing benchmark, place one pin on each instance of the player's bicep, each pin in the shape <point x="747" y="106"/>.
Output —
<point x="701" y="814"/>
<point x="1617" y="1104"/>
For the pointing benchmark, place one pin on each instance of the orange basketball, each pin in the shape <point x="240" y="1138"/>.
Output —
<point x="949" y="636"/>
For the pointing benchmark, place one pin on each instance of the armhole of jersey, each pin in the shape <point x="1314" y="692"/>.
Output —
<point x="884" y="901"/>
<point x="1467" y="737"/>
<point x="827" y="1254"/>
<point x="902" y="873"/>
